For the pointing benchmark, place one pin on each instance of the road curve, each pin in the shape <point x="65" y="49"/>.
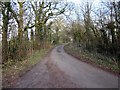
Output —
<point x="60" y="70"/>
<point x="44" y="75"/>
<point x="82" y="74"/>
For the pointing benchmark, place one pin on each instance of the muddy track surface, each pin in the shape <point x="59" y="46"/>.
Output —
<point x="60" y="70"/>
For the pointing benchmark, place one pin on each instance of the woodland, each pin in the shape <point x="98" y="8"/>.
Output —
<point x="29" y="26"/>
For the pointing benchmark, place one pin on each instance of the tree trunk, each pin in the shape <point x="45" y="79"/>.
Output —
<point x="4" y="39"/>
<point x="20" y="30"/>
<point x="4" y="34"/>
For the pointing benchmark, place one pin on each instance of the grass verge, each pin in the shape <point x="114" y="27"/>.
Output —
<point x="13" y="70"/>
<point x="95" y="59"/>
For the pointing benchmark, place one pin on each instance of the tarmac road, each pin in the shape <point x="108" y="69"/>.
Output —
<point x="83" y="74"/>
<point x="60" y="70"/>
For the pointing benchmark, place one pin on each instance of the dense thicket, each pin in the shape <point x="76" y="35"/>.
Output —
<point x="100" y="33"/>
<point x="26" y="26"/>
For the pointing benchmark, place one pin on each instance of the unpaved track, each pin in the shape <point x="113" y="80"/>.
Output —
<point x="60" y="70"/>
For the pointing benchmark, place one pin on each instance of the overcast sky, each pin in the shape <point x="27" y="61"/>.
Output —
<point x="78" y="1"/>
